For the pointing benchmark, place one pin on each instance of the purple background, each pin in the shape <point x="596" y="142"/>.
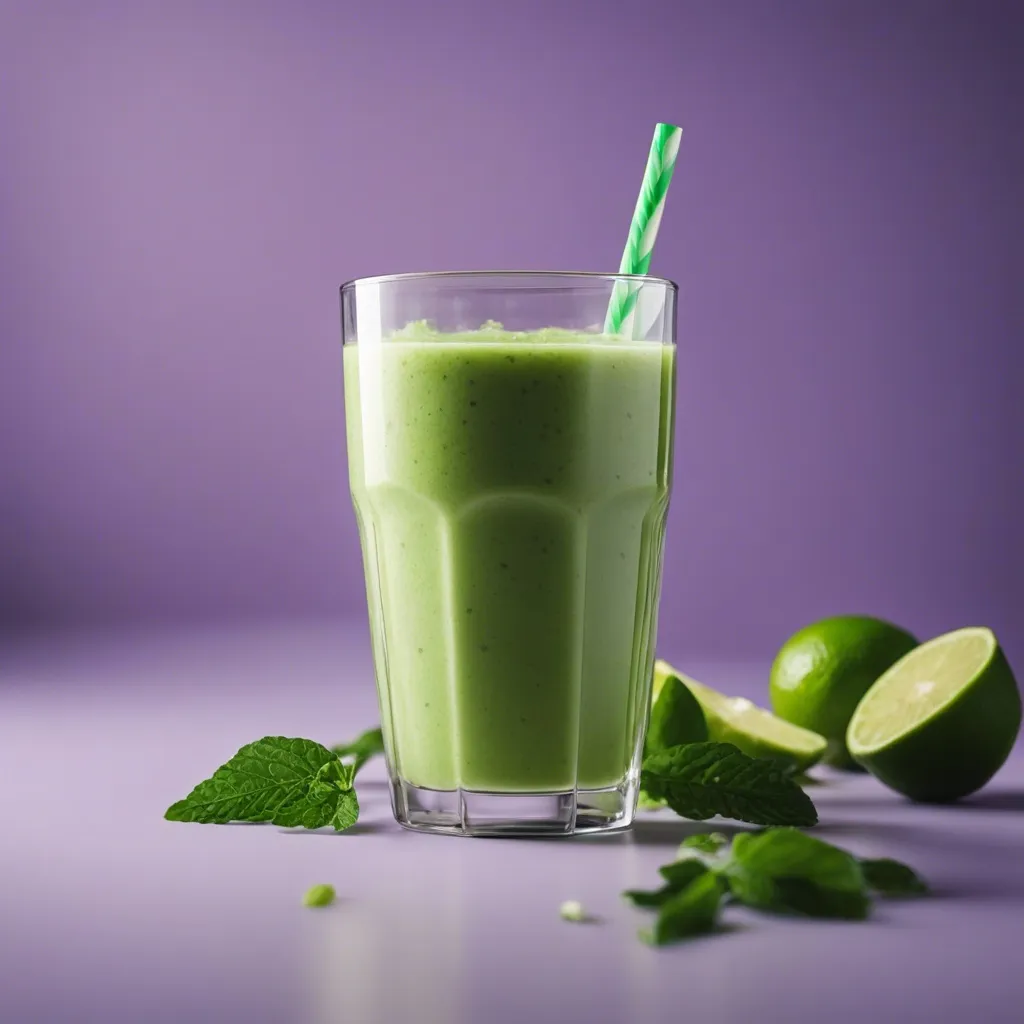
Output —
<point x="183" y="186"/>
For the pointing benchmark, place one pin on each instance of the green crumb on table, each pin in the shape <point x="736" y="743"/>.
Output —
<point x="319" y="896"/>
<point x="572" y="910"/>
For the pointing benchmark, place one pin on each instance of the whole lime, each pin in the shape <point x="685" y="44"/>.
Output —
<point x="821" y="673"/>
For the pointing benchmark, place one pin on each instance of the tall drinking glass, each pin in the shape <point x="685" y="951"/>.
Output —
<point x="510" y="468"/>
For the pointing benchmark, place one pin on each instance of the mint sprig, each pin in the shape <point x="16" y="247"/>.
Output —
<point x="294" y="783"/>
<point x="701" y="780"/>
<point x="778" y="870"/>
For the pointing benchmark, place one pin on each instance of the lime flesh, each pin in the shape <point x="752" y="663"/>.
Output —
<point x="941" y="721"/>
<point x="754" y="730"/>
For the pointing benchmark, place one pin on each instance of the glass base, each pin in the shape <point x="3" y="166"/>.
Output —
<point x="464" y="812"/>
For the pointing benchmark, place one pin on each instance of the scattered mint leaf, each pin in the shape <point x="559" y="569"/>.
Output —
<point x="676" y="718"/>
<point x="891" y="878"/>
<point x="690" y="911"/>
<point x="319" y="896"/>
<point x="362" y="748"/>
<point x="706" y="842"/>
<point x="700" y="780"/>
<point x="290" y="782"/>
<point x="779" y="870"/>
<point x="786" y="871"/>
<point x="678" y="875"/>
<point x="572" y="910"/>
<point x="649" y="897"/>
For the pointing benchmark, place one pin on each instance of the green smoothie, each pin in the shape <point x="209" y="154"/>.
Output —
<point x="511" y="492"/>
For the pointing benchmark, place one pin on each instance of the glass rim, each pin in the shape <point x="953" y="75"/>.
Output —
<point x="571" y="275"/>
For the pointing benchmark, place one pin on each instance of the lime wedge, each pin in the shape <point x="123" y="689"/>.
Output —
<point x="737" y="720"/>
<point x="941" y="721"/>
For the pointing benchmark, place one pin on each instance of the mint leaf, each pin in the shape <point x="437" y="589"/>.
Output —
<point x="786" y="871"/>
<point x="290" y="782"/>
<point x="258" y="783"/>
<point x="706" y="842"/>
<point x="346" y="811"/>
<point x="362" y="748"/>
<point x="675" y="718"/>
<point x="690" y="911"/>
<point x="649" y="897"/>
<point x="700" y="780"/>
<point x="332" y="778"/>
<point x="330" y="800"/>
<point x="891" y="878"/>
<point x="678" y="875"/>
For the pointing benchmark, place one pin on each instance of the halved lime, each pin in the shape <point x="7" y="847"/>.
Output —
<point x="941" y="722"/>
<point x="755" y="731"/>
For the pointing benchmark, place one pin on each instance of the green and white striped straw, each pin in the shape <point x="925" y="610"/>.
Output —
<point x="650" y="205"/>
